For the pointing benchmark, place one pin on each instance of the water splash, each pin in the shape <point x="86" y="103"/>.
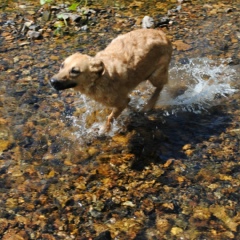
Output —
<point x="192" y="87"/>
<point x="90" y="121"/>
<point x="202" y="82"/>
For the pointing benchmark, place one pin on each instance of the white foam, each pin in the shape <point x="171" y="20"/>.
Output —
<point x="85" y="130"/>
<point x="204" y="80"/>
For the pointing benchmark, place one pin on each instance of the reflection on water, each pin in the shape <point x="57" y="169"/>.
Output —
<point x="193" y="87"/>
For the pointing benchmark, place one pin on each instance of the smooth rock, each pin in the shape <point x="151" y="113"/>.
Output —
<point x="147" y="22"/>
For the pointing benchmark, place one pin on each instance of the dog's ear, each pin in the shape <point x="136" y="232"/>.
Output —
<point x="96" y="66"/>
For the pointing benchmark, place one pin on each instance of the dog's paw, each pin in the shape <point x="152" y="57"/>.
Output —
<point x="104" y="129"/>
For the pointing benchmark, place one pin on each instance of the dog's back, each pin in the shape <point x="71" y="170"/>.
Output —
<point x="132" y="57"/>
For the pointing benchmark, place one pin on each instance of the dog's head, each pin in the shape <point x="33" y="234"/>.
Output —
<point x="77" y="71"/>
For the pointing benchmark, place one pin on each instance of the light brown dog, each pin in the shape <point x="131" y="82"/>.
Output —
<point x="108" y="77"/>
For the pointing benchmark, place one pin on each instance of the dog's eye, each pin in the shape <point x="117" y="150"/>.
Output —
<point x="75" y="71"/>
<point x="62" y="65"/>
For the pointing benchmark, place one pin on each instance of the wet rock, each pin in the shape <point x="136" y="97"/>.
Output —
<point x="9" y="22"/>
<point x="147" y="22"/>
<point x="164" y="21"/>
<point x="207" y="6"/>
<point x="14" y="234"/>
<point x="22" y="6"/>
<point x="234" y="60"/>
<point x="187" y="146"/>
<point x="176" y="231"/>
<point x="4" y="144"/>
<point x="128" y="204"/>
<point x="33" y="34"/>
<point x="34" y="27"/>
<point x="87" y="11"/>
<point x="181" y="46"/>
<point x="238" y="35"/>
<point x="174" y="11"/>
<point x="220" y="213"/>
<point x="59" y="24"/>
<point x="136" y="4"/>
<point x="72" y="16"/>
<point x="3" y="225"/>
<point x="162" y="225"/>
<point x="84" y="28"/>
<point x="46" y="15"/>
<point x="4" y="65"/>
<point x="28" y="24"/>
<point x="95" y="213"/>
<point x="24" y="43"/>
<point x="201" y="213"/>
<point x="98" y="206"/>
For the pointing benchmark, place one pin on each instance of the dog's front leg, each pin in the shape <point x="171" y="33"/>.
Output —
<point x="115" y="113"/>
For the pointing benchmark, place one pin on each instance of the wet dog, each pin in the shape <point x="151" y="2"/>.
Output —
<point x="113" y="73"/>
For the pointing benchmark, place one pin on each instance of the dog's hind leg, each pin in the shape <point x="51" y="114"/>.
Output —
<point x="152" y="101"/>
<point x="158" y="79"/>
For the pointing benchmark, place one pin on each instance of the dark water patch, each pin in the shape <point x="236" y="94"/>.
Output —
<point x="157" y="140"/>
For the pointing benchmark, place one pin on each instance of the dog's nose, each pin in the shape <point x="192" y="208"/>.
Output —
<point x="53" y="81"/>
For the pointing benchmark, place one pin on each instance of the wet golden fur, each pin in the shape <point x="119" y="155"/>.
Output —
<point x="114" y="72"/>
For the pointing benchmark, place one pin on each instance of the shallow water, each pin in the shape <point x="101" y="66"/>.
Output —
<point x="172" y="173"/>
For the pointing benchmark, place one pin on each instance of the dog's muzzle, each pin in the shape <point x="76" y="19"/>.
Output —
<point x="61" y="85"/>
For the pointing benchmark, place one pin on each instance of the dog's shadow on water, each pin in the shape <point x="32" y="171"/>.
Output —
<point x="157" y="138"/>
